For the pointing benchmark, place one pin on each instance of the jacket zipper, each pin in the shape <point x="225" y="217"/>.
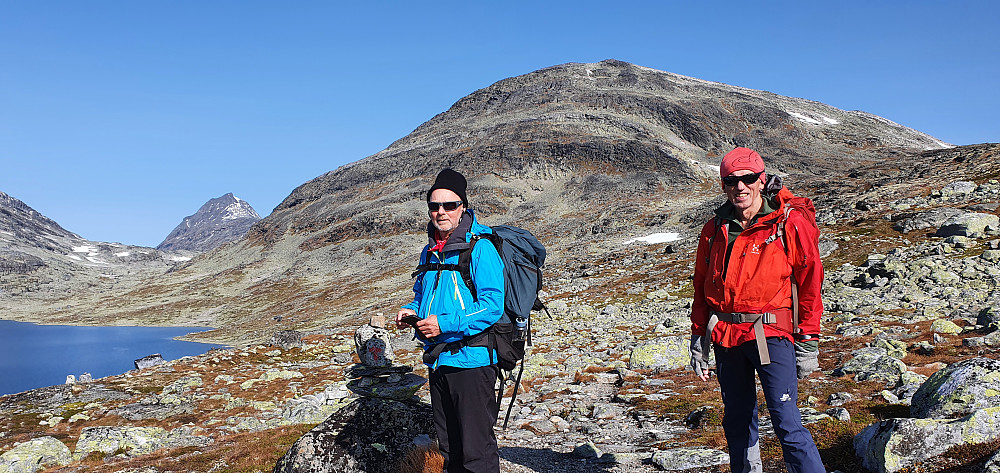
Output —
<point x="437" y="278"/>
<point x="458" y="294"/>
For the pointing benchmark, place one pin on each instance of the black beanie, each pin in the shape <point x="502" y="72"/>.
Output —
<point x="453" y="181"/>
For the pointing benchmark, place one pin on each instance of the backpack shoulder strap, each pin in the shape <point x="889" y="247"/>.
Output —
<point x="464" y="268"/>
<point x="711" y="239"/>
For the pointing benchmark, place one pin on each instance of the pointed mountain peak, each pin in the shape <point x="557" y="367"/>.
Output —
<point x="220" y="220"/>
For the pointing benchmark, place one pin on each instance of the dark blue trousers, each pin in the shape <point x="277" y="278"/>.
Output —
<point x="465" y="410"/>
<point x="736" y="367"/>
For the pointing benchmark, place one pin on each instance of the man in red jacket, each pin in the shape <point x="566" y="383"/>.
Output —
<point x="757" y="264"/>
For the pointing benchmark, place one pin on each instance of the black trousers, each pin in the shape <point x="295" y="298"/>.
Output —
<point x="465" y="411"/>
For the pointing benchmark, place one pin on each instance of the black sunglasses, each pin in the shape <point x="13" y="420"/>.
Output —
<point x="747" y="179"/>
<point x="448" y="206"/>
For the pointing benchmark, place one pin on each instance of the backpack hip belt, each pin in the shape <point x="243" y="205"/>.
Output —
<point x="486" y="338"/>
<point x="758" y="321"/>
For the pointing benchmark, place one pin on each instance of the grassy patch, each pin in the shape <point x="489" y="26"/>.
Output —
<point x="835" y="441"/>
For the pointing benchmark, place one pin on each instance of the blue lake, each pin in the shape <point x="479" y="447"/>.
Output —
<point x="33" y="356"/>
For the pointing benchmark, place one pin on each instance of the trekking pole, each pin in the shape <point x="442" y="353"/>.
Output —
<point x="513" y="397"/>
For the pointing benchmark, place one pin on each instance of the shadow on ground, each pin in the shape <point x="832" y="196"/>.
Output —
<point x="546" y="460"/>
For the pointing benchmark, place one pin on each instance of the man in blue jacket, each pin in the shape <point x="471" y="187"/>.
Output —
<point x="463" y="369"/>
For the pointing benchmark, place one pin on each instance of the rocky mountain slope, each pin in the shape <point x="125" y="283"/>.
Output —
<point x="220" y="220"/>
<point x="41" y="262"/>
<point x="586" y="156"/>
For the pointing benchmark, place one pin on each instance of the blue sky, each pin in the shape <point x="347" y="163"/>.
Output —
<point x="120" y="118"/>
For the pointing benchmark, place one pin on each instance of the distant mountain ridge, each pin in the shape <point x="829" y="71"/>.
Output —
<point x="220" y="220"/>
<point x="41" y="261"/>
<point x="17" y="219"/>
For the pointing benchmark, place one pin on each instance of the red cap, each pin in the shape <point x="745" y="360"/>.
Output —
<point x="740" y="159"/>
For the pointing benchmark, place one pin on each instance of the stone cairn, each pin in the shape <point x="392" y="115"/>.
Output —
<point x="376" y="376"/>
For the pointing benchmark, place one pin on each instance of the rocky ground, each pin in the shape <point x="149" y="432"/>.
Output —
<point x="911" y="294"/>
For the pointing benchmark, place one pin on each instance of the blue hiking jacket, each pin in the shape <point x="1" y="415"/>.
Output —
<point x="445" y="294"/>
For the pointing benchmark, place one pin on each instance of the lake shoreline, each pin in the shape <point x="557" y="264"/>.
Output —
<point x="36" y="355"/>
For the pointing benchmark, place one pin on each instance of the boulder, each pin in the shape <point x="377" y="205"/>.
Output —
<point x="839" y="413"/>
<point x="991" y="339"/>
<point x="969" y="224"/>
<point x="35" y="455"/>
<point x="685" y="458"/>
<point x="133" y="441"/>
<point x="958" y="189"/>
<point x="946" y="327"/>
<point x="661" y="355"/>
<point x="315" y="408"/>
<point x="893" y="348"/>
<point x="930" y="219"/>
<point x="148" y="361"/>
<point x="370" y="435"/>
<point x="875" y="364"/>
<point x="374" y="346"/>
<point x="587" y="450"/>
<point x="287" y="339"/>
<point x="993" y="464"/>
<point x="959" y="389"/>
<point x="989" y="317"/>
<point x="894" y="444"/>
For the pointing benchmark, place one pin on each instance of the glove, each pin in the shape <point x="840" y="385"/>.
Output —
<point x="806" y="357"/>
<point x="699" y="354"/>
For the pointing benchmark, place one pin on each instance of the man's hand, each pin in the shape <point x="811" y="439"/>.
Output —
<point x="399" y="317"/>
<point x="429" y="327"/>
<point x="699" y="357"/>
<point x="806" y="357"/>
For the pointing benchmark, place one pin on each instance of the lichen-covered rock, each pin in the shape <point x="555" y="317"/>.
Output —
<point x="970" y="224"/>
<point x="945" y="326"/>
<point x="287" y="339"/>
<point x="928" y="219"/>
<point x="993" y="464"/>
<point x="991" y="339"/>
<point x="689" y="457"/>
<point x="894" y="444"/>
<point x="959" y="389"/>
<point x="958" y="189"/>
<point x="148" y="361"/>
<point x="145" y="410"/>
<point x="182" y="385"/>
<point x="875" y="364"/>
<point x="369" y="435"/>
<point x="34" y="455"/>
<point x="314" y="408"/>
<point x="133" y="441"/>
<point x="661" y="355"/>
<point x="910" y="382"/>
<point x="373" y="345"/>
<point x="401" y="389"/>
<point x="271" y="375"/>
<point x="893" y="348"/>
<point x="587" y="450"/>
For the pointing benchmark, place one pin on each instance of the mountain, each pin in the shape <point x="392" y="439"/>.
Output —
<point x="41" y="262"/>
<point x="220" y="220"/>
<point x="586" y="156"/>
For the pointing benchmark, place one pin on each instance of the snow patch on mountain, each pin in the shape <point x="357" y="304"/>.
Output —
<point x="656" y="238"/>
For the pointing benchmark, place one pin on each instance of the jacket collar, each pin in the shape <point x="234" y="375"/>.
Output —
<point x="457" y="240"/>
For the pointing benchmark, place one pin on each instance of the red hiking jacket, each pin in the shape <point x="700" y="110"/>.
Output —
<point x="759" y="272"/>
